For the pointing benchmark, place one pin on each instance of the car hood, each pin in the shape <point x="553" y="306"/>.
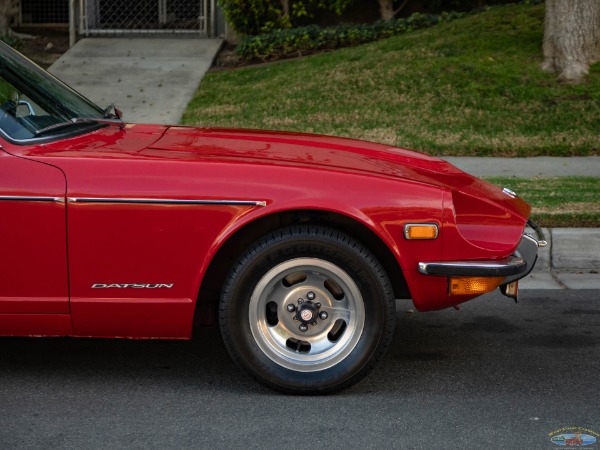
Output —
<point x="276" y="147"/>
<point x="334" y="153"/>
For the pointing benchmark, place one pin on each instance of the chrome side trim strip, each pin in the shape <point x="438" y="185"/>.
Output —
<point x="158" y="201"/>
<point x="30" y="198"/>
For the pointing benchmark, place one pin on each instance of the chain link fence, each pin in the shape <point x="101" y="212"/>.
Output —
<point x="43" y="12"/>
<point x="148" y="16"/>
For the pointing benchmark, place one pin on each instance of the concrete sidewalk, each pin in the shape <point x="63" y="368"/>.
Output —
<point x="538" y="166"/>
<point x="150" y="80"/>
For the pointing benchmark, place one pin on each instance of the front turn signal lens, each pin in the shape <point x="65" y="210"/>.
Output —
<point x="420" y="231"/>
<point x="473" y="285"/>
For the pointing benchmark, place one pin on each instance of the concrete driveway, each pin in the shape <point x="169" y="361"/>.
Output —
<point x="150" y="80"/>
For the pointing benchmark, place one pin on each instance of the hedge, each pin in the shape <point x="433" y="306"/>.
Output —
<point x="310" y="39"/>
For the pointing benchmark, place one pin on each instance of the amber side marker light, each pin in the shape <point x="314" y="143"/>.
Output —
<point x="420" y="231"/>
<point x="473" y="285"/>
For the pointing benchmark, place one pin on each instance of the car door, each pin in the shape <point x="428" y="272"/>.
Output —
<point x="33" y="247"/>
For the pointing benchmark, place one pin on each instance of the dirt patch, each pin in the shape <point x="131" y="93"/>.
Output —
<point x="45" y="46"/>
<point x="225" y="59"/>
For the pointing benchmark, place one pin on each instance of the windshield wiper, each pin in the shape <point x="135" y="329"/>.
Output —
<point x="78" y="121"/>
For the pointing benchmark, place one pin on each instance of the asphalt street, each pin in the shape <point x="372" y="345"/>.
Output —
<point x="493" y="375"/>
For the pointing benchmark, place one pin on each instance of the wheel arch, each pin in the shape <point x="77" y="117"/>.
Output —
<point x="232" y="248"/>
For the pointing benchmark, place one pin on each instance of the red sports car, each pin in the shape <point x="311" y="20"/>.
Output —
<point x="296" y="245"/>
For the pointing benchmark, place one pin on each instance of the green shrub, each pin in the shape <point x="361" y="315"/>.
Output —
<point x="253" y="17"/>
<point x="305" y="40"/>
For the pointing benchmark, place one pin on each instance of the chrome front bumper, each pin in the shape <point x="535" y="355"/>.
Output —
<point x="515" y="267"/>
<point x="528" y="251"/>
<point x="512" y="266"/>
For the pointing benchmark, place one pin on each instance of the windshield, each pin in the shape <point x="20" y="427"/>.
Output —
<point x="33" y="102"/>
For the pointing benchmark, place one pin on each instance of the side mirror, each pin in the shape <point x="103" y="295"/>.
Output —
<point x="112" y="112"/>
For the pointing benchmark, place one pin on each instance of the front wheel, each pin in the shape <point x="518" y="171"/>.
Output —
<point x="307" y="309"/>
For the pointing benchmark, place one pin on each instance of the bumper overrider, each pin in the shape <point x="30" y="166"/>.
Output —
<point x="481" y="276"/>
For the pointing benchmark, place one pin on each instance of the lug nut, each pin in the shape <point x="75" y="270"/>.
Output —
<point x="300" y="300"/>
<point x="310" y="295"/>
<point x="291" y="308"/>
<point x="318" y="305"/>
<point x="323" y="315"/>
<point x="303" y="327"/>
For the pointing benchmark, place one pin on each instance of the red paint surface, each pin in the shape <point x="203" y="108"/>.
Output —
<point x="33" y="266"/>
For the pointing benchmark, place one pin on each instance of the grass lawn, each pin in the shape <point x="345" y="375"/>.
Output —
<point x="468" y="87"/>
<point x="558" y="202"/>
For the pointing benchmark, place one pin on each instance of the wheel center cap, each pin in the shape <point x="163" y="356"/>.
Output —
<point x="306" y="315"/>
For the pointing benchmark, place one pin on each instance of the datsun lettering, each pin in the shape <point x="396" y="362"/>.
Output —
<point x="132" y="286"/>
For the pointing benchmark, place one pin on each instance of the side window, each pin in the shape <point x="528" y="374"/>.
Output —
<point x="7" y="91"/>
<point x="35" y="105"/>
<point x="20" y="116"/>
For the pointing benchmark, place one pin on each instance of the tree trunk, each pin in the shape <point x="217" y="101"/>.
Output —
<point x="571" y="37"/>
<point x="285" y="6"/>
<point x="386" y="9"/>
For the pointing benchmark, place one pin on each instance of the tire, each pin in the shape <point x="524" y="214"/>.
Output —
<point x="341" y="312"/>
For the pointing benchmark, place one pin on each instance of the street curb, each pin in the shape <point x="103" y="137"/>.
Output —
<point x="571" y="260"/>
<point x="570" y="249"/>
